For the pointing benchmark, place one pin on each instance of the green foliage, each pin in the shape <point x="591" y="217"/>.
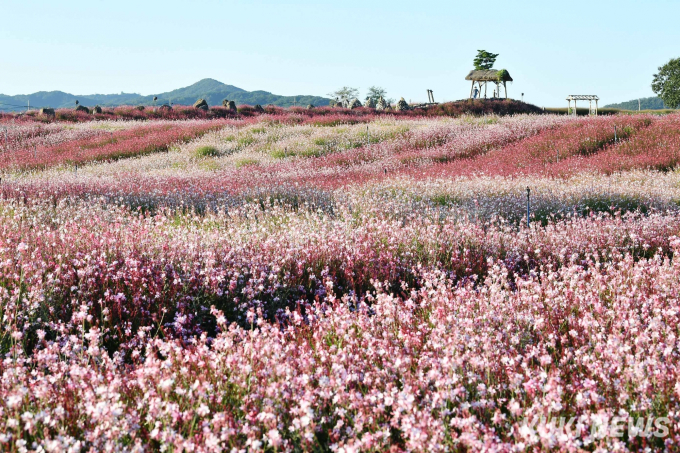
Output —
<point x="245" y="140"/>
<point x="484" y="60"/>
<point x="206" y="151"/>
<point x="666" y="83"/>
<point x="344" y="94"/>
<point x="376" y="92"/>
<point x="246" y="162"/>
<point x="501" y="74"/>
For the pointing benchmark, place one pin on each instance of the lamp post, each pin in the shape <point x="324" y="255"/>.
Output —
<point x="522" y="97"/>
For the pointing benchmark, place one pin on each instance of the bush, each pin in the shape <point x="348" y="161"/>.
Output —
<point x="483" y="107"/>
<point x="206" y="151"/>
<point x="246" y="162"/>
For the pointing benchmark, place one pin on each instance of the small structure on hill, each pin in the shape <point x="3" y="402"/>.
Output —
<point x="484" y="76"/>
<point x="354" y="103"/>
<point x="430" y="101"/>
<point x="382" y="104"/>
<point x="583" y="97"/>
<point x="402" y="105"/>
<point x="430" y="97"/>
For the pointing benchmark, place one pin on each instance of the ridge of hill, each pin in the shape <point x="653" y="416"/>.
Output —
<point x="213" y="91"/>
<point x="653" y="103"/>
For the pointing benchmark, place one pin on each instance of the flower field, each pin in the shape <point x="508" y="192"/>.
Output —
<point x="330" y="280"/>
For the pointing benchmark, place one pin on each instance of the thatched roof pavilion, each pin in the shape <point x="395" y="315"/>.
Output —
<point x="489" y="75"/>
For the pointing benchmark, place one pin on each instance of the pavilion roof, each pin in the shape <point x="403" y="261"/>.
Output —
<point x="487" y="75"/>
<point x="582" y="97"/>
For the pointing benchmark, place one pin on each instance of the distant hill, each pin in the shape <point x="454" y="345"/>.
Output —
<point x="210" y="89"/>
<point x="653" y="103"/>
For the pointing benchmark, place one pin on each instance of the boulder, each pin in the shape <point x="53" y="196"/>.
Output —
<point x="370" y="103"/>
<point x="402" y="105"/>
<point x="165" y="107"/>
<point x="47" y="111"/>
<point x="141" y="108"/>
<point x="82" y="108"/>
<point x="333" y="103"/>
<point x="259" y="109"/>
<point x="229" y="105"/>
<point x="201" y="104"/>
<point x="381" y="104"/>
<point x="310" y="106"/>
<point x="340" y="103"/>
<point x="96" y="109"/>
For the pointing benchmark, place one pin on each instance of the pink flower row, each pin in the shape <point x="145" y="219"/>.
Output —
<point x="87" y="147"/>
<point x="443" y="367"/>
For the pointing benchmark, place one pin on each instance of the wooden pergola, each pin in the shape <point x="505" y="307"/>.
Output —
<point x="480" y="77"/>
<point x="583" y="97"/>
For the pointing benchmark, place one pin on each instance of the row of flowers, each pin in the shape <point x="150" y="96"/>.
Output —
<point x="436" y="366"/>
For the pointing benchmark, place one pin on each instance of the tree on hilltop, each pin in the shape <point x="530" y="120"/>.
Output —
<point x="484" y="60"/>
<point x="666" y="83"/>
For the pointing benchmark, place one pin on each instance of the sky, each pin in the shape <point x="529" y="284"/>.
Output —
<point x="551" y="49"/>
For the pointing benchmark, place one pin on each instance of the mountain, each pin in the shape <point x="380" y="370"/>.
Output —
<point x="211" y="90"/>
<point x="653" y="103"/>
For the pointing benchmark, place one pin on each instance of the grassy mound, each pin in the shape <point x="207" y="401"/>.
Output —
<point x="483" y="107"/>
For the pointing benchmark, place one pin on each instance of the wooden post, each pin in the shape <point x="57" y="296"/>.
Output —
<point x="528" y="207"/>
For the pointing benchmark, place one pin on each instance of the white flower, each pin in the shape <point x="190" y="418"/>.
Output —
<point x="274" y="437"/>
<point x="166" y="383"/>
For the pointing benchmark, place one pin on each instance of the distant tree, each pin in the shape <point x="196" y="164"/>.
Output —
<point x="344" y="94"/>
<point x="666" y="83"/>
<point x="376" y="92"/>
<point x="484" y="60"/>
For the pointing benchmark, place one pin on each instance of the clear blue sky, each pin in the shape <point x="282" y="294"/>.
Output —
<point x="551" y="49"/>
